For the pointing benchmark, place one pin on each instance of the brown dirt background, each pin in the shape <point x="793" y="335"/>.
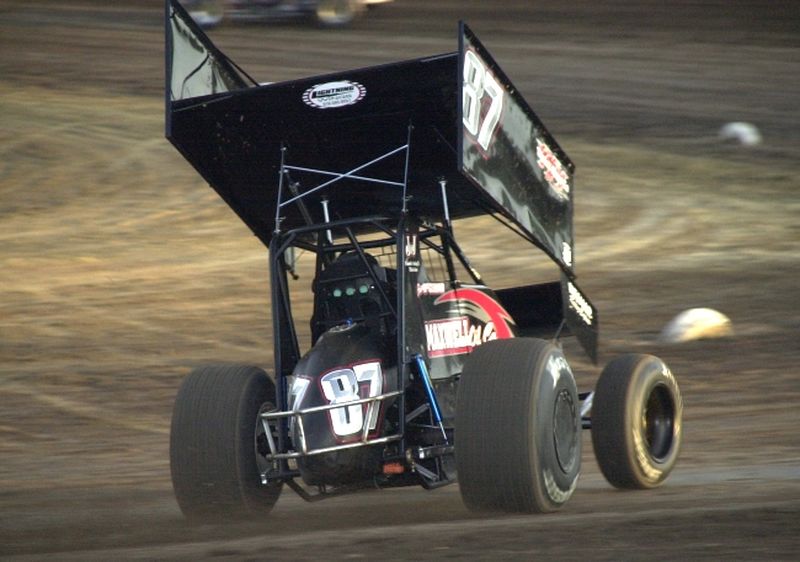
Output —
<point x="120" y="271"/>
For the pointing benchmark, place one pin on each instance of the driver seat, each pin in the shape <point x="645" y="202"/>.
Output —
<point x="346" y="293"/>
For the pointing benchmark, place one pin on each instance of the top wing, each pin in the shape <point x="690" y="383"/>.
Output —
<point x="373" y="139"/>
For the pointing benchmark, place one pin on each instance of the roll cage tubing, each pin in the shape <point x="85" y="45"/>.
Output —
<point x="315" y="238"/>
<point x="287" y="352"/>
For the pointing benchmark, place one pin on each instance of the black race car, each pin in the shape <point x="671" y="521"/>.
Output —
<point x="409" y="370"/>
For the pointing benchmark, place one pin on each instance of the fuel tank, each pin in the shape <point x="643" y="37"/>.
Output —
<point x="348" y="362"/>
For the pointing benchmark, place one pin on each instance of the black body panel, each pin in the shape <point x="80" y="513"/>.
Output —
<point x="353" y="355"/>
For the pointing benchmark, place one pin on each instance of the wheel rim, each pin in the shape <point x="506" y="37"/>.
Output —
<point x="658" y="421"/>
<point x="565" y="434"/>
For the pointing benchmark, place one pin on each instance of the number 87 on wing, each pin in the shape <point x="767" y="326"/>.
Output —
<point x="482" y="100"/>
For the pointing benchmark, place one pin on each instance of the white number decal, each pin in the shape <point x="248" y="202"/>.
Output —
<point x="472" y="91"/>
<point x="342" y="386"/>
<point x="370" y="373"/>
<point x="480" y="82"/>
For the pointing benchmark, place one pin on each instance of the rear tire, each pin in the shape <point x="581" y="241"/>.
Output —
<point x="518" y="428"/>
<point x="215" y="441"/>
<point x="636" y="421"/>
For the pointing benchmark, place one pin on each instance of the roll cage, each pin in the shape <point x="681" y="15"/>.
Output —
<point x="394" y="244"/>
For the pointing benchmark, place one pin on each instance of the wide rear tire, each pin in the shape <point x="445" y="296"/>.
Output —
<point x="215" y="441"/>
<point x="518" y="428"/>
<point x="636" y="421"/>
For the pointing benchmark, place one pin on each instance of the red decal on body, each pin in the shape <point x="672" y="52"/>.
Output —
<point x="494" y="310"/>
<point x="480" y="319"/>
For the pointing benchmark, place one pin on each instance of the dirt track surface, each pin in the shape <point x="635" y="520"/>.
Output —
<point x="121" y="271"/>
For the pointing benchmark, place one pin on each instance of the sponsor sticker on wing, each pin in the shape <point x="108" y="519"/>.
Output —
<point x="334" y="94"/>
<point x="580" y="305"/>
<point x="566" y="253"/>
<point x="553" y="170"/>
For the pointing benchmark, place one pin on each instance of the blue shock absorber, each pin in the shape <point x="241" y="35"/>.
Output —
<point x="422" y="369"/>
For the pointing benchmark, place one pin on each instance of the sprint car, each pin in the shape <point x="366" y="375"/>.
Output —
<point x="408" y="369"/>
